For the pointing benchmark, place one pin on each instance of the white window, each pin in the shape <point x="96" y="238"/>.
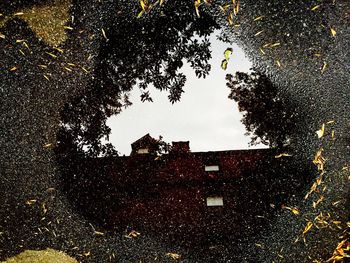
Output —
<point x="215" y="201"/>
<point x="142" y="151"/>
<point x="211" y="168"/>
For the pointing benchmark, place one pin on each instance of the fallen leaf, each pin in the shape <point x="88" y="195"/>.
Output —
<point x="31" y="202"/>
<point x="307" y="227"/>
<point x="333" y="32"/>
<point x="174" y="256"/>
<point x="320" y="132"/>
<point x="98" y="233"/>
<point x="315" y="7"/>
<point x="283" y="155"/>
<point x="259" y="18"/>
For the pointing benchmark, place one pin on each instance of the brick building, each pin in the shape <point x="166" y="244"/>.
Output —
<point x="191" y="196"/>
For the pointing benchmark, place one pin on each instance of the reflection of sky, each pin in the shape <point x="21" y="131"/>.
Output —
<point x="204" y="116"/>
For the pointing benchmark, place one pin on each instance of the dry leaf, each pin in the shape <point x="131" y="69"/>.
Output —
<point x="174" y="256"/>
<point x="307" y="227"/>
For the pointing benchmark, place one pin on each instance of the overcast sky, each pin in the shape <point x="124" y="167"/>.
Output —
<point x="204" y="116"/>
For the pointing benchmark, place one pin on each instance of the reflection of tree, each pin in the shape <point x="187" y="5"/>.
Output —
<point x="268" y="118"/>
<point x="28" y="110"/>
<point x="137" y="53"/>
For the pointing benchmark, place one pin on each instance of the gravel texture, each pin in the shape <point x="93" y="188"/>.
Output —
<point x="34" y="214"/>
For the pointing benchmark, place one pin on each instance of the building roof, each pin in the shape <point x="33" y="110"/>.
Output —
<point x="146" y="137"/>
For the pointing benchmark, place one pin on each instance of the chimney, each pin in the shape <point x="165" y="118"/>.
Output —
<point x="180" y="147"/>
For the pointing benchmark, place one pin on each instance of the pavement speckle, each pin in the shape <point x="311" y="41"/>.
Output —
<point x="31" y="99"/>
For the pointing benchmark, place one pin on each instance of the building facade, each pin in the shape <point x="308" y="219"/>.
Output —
<point x="193" y="197"/>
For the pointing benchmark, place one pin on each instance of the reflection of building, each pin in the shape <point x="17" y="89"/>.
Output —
<point x="144" y="145"/>
<point x="181" y="191"/>
<point x="186" y="194"/>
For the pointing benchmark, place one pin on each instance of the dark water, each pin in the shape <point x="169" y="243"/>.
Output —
<point x="84" y="79"/>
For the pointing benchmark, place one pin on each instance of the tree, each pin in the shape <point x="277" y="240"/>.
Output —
<point x="269" y="118"/>
<point x="150" y="54"/>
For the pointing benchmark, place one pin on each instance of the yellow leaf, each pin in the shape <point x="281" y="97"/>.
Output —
<point x="44" y="209"/>
<point x="294" y="210"/>
<point x="236" y="7"/>
<point x="283" y="155"/>
<point x="140" y="14"/>
<point x="336" y="202"/>
<point x="228" y="53"/>
<point x="320" y="132"/>
<point x="197" y="3"/>
<point x="337" y="258"/>
<point x="143" y="4"/>
<point x="341" y="243"/>
<point x="133" y="234"/>
<point x="315" y="7"/>
<point x="224" y="64"/>
<point x="262" y="51"/>
<point x="319" y="160"/>
<point x="258" y="33"/>
<point x="224" y="8"/>
<point x="230" y="19"/>
<point x="174" y="255"/>
<point x="275" y="44"/>
<point x="197" y="11"/>
<point x="51" y="55"/>
<point x="307" y="227"/>
<point x="104" y="34"/>
<point x="98" y="233"/>
<point x="26" y="45"/>
<point x="278" y="63"/>
<point x="85" y="69"/>
<point x="30" y="202"/>
<point x="259" y="18"/>
<point x="314" y="204"/>
<point x="259" y="245"/>
<point x="333" y="32"/>
<point x="313" y="189"/>
<point x="58" y="49"/>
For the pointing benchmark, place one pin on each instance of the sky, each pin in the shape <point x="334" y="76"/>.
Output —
<point x="205" y="115"/>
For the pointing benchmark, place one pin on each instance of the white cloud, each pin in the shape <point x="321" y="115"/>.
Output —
<point x="204" y="116"/>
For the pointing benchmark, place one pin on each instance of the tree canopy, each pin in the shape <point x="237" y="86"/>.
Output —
<point x="149" y="55"/>
<point x="268" y="117"/>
